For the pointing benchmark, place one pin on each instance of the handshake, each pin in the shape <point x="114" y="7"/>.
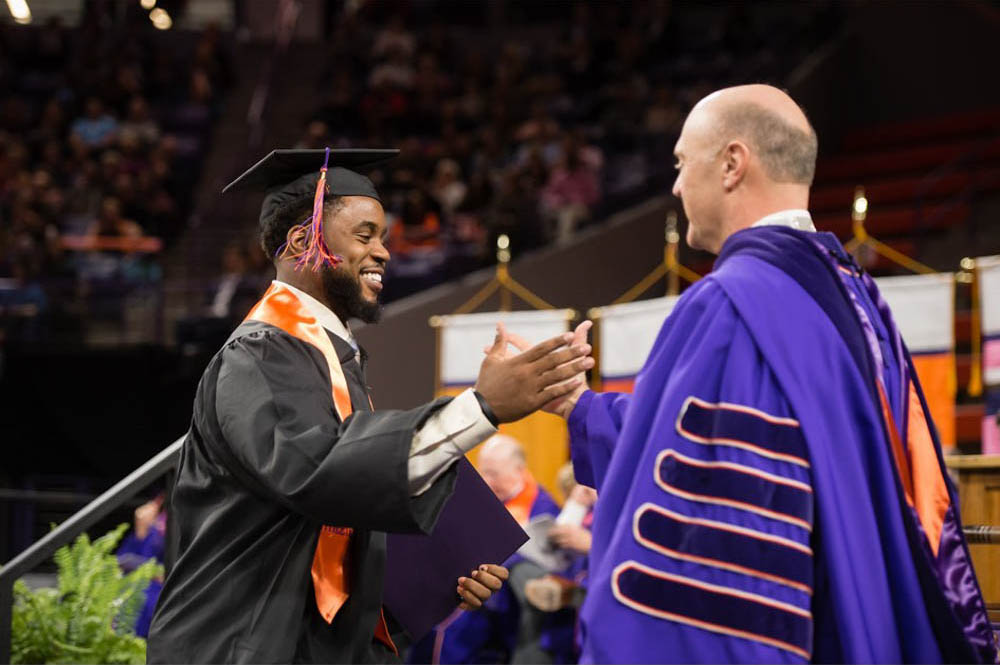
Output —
<point x="548" y="376"/>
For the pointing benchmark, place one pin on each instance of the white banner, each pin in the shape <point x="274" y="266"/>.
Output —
<point x="463" y="337"/>
<point x="628" y="332"/>
<point x="988" y="268"/>
<point x="989" y="293"/>
<point x="923" y="307"/>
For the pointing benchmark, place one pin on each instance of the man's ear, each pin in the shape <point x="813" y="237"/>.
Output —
<point x="295" y="240"/>
<point x="735" y="161"/>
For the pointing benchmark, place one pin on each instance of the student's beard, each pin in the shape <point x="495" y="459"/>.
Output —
<point x="343" y="292"/>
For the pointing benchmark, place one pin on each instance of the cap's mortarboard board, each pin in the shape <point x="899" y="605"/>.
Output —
<point x="281" y="168"/>
<point x="291" y="175"/>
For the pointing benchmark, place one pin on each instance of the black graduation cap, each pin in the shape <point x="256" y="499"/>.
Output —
<point x="289" y="175"/>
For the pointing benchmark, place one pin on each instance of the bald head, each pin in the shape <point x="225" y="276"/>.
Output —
<point x="771" y="123"/>
<point x="503" y="449"/>
<point x="744" y="152"/>
<point x="502" y="465"/>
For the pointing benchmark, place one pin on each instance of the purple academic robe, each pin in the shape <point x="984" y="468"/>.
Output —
<point x="750" y="508"/>
<point x="134" y="552"/>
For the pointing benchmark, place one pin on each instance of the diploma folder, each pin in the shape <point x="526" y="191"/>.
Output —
<point x="422" y="571"/>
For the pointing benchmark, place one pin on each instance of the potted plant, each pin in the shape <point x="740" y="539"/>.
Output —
<point x="90" y="618"/>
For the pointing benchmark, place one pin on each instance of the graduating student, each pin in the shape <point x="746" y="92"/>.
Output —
<point x="288" y="479"/>
<point x="774" y="490"/>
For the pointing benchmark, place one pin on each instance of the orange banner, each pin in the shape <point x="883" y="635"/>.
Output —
<point x="936" y="372"/>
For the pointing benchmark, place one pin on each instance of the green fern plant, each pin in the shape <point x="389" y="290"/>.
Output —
<point x="90" y="618"/>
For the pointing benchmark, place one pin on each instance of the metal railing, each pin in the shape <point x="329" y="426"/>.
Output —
<point x="982" y="535"/>
<point x="121" y="492"/>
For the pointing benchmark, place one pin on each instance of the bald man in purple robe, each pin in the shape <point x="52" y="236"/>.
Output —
<point x="773" y="490"/>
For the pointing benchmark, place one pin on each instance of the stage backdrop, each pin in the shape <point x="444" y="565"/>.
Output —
<point x="924" y="309"/>
<point x="626" y="335"/>
<point x="989" y="305"/>
<point x="460" y="353"/>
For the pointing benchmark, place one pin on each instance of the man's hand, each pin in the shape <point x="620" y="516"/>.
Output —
<point x="563" y="405"/>
<point x="517" y="385"/>
<point x="480" y="585"/>
<point x="571" y="537"/>
<point x="583" y="495"/>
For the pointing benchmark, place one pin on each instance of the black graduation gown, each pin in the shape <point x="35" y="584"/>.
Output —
<point x="267" y="463"/>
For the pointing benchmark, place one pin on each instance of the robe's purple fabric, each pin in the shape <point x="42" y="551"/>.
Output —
<point x="750" y="510"/>
<point x="134" y="552"/>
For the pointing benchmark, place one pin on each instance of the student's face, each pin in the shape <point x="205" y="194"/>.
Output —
<point x="356" y="232"/>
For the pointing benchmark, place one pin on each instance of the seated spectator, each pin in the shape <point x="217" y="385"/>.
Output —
<point x="664" y="115"/>
<point x="110" y="266"/>
<point x="317" y="136"/>
<point x="563" y="592"/>
<point x="22" y="299"/>
<point x="95" y="128"/>
<point x="394" y="37"/>
<point x="416" y="245"/>
<point x="236" y="291"/>
<point x="146" y="541"/>
<point x="228" y="300"/>
<point x="396" y="72"/>
<point x="514" y="212"/>
<point x="448" y="189"/>
<point x="51" y="125"/>
<point x="571" y="533"/>
<point x="133" y="158"/>
<point x="570" y="194"/>
<point x="140" y="122"/>
<point x="111" y="224"/>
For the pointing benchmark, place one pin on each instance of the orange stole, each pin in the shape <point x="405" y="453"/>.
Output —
<point x="918" y="467"/>
<point x="282" y="309"/>
<point x="520" y="506"/>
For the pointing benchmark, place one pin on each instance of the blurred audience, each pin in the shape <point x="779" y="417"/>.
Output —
<point x="525" y="119"/>
<point x="103" y="129"/>
<point x="534" y="131"/>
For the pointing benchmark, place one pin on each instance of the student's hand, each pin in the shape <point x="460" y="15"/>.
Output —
<point x="480" y="585"/>
<point x="515" y="385"/>
<point x="563" y="406"/>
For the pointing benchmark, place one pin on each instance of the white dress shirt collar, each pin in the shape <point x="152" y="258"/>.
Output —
<point x="324" y="315"/>
<point x="794" y="219"/>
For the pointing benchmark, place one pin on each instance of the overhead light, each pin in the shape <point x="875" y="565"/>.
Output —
<point x="19" y="10"/>
<point x="161" y="19"/>
<point x="147" y="4"/>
